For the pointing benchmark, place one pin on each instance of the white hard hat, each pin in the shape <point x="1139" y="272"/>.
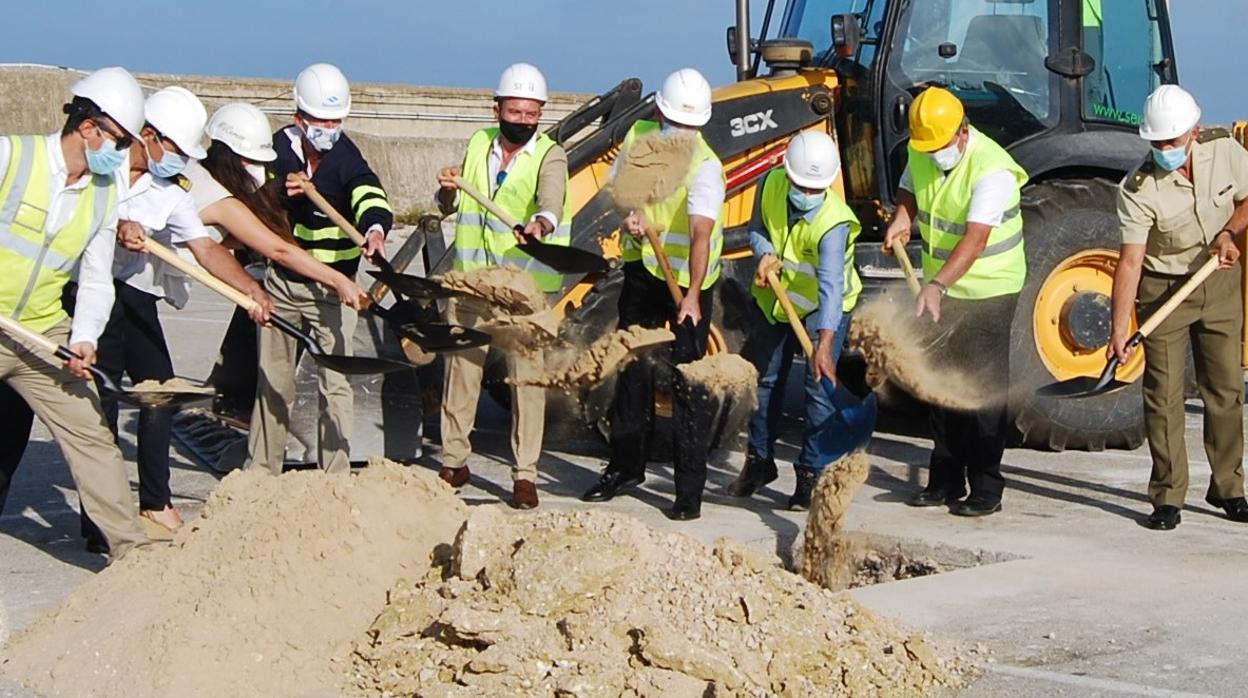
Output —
<point x="116" y="93"/>
<point x="685" y="98"/>
<point x="243" y="128"/>
<point x="322" y="91"/>
<point x="1169" y="112"/>
<point x="811" y="160"/>
<point x="522" y="80"/>
<point x="179" y="116"/>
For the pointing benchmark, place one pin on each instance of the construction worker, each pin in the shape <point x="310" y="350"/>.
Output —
<point x="316" y="147"/>
<point x="804" y="232"/>
<point x="963" y="192"/>
<point x="60" y="212"/>
<point x="1187" y="201"/>
<point x="526" y="173"/>
<point x="690" y="221"/>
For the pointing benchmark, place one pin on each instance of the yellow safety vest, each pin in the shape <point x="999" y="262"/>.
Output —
<point x="36" y="263"/>
<point x="481" y="239"/>
<point x="672" y="217"/>
<point x="944" y="200"/>
<point x="797" y="247"/>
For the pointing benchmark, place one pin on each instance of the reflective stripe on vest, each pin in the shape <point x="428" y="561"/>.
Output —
<point x="797" y="247"/>
<point x="482" y="240"/>
<point x="671" y="216"/>
<point x="37" y="263"/>
<point x="943" y="204"/>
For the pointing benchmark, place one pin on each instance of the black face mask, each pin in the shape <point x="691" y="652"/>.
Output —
<point x="517" y="133"/>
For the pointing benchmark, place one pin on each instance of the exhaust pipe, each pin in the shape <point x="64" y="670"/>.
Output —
<point x="743" y="40"/>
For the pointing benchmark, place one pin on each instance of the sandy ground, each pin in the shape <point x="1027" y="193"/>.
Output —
<point x="1086" y="603"/>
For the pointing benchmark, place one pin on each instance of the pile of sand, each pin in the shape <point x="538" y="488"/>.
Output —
<point x="509" y="288"/>
<point x="827" y="558"/>
<point x="601" y="360"/>
<point x="594" y="604"/>
<point x="253" y="599"/>
<point x="651" y="170"/>
<point x="907" y="351"/>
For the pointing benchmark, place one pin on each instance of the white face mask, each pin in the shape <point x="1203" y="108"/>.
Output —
<point x="321" y="138"/>
<point x="257" y="172"/>
<point x="948" y="157"/>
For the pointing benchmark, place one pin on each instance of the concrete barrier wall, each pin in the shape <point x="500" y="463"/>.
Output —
<point x="406" y="132"/>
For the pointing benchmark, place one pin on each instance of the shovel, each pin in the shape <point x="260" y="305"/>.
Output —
<point x="350" y="365"/>
<point x="851" y="425"/>
<point x="430" y="336"/>
<point x="899" y="251"/>
<point x="1088" y="386"/>
<point x="172" y="398"/>
<point x="564" y="260"/>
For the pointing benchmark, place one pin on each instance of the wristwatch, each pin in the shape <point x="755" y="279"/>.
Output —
<point x="944" y="290"/>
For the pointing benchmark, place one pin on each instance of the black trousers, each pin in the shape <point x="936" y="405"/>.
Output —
<point x="969" y="445"/>
<point x="645" y="301"/>
<point x="18" y="420"/>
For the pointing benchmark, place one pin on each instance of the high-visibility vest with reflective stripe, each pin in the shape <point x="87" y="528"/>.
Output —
<point x="481" y="239"/>
<point x="944" y="203"/>
<point x="671" y="217"/>
<point x="36" y="263"/>
<point x="329" y="244"/>
<point x="797" y="247"/>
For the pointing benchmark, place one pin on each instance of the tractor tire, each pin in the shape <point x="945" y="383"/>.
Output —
<point x="1065" y="220"/>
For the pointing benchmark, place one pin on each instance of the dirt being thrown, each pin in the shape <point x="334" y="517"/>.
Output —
<point x="826" y="556"/>
<point x="554" y="605"/>
<point x="651" y="170"/>
<point x="601" y="360"/>
<point x="726" y="375"/>
<point x="509" y="288"/>
<point x="910" y="353"/>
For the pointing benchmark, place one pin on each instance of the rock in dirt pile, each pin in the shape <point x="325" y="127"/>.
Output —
<point x="593" y="604"/>
<point x="256" y="598"/>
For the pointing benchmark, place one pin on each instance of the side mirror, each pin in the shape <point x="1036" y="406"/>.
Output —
<point x="731" y="35"/>
<point x="846" y="34"/>
<point x="947" y="50"/>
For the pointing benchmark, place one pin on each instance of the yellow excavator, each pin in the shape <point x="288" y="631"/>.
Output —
<point x="1060" y="83"/>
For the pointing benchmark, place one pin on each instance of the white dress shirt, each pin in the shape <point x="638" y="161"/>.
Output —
<point x="990" y="196"/>
<point x="95" y="267"/>
<point x="168" y="216"/>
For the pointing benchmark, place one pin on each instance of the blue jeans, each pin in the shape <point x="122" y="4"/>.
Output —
<point x="770" y="348"/>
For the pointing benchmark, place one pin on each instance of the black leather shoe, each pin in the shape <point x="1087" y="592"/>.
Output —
<point x="684" y="512"/>
<point x="757" y="472"/>
<point x="610" y="484"/>
<point x="938" y="497"/>
<point x="1163" y="518"/>
<point x="974" y="506"/>
<point x="1236" y="508"/>
<point x="806" y="479"/>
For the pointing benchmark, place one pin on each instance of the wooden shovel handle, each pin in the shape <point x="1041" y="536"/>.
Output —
<point x="19" y="331"/>
<point x="665" y="264"/>
<point x="309" y="190"/>
<point x="899" y="251"/>
<point x="486" y="202"/>
<point x="808" y="347"/>
<point x="1179" y="296"/>
<point x="171" y="258"/>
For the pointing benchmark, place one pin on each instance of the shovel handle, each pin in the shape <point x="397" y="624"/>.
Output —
<point x="19" y="331"/>
<point x="487" y="203"/>
<point x="899" y="251"/>
<point x="665" y="264"/>
<point x="194" y="271"/>
<point x="1179" y="296"/>
<point x="309" y="190"/>
<point x="799" y="329"/>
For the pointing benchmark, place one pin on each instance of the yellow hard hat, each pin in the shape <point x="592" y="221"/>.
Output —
<point x="935" y="118"/>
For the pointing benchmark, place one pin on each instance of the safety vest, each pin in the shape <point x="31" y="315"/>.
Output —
<point x="36" y="263"/>
<point x="671" y="217"/>
<point x="797" y="248"/>
<point x="944" y="203"/>
<point x="481" y="239"/>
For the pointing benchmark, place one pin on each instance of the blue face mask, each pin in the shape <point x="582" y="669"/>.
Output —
<point x="1170" y="160"/>
<point x="805" y="202"/>
<point x="169" y="166"/>
<point x="106" y="159"/>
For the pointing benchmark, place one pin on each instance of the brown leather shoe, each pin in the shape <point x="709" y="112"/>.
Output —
<point x="455" y="477"/>
<point x="523" y="494"/>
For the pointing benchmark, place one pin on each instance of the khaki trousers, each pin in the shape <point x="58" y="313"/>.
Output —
<point x="464" y="370"/>
<point x="70" y="407"/>
<point x="1212" y="319"/>
<point x="332" y="324"/>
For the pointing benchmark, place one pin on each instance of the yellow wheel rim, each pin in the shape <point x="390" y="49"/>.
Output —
<point x="1062" y="322"/>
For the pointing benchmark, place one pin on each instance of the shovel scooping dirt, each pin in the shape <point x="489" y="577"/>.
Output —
<point x="651" y="170"/>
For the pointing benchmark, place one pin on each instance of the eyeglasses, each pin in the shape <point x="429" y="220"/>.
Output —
<point x="121" y="140"/>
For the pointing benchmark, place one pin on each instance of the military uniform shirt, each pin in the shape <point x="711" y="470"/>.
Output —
<point x="1176" y="219"/>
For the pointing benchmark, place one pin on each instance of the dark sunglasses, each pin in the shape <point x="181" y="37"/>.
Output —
<point x="121" y="140"/>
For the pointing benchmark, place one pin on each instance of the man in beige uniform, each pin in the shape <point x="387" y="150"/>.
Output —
<point x="1188" y="201"/>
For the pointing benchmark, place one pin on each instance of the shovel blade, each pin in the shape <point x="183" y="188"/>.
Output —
<point x="1083" y="386"/>
<point x="151" y="400"/>
<point x="412" y="286"/>
<point x="359" y="365"/>
<point x="851" y="425"/>
<point x="436" y="336"/>
<point x="566" y="260"/>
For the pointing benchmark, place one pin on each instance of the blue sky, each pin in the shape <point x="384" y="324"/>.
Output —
<point x="582" y="45"/>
